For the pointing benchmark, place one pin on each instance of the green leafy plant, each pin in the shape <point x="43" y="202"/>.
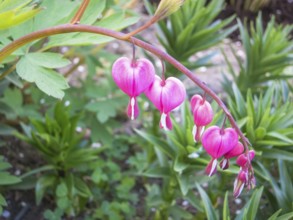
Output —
<point x="268" y="52"/>
<point x="66" y="155"/>
<point x="178" y="163"/>
<point x="6" y="179"/>
<point x="267" y="121"/>
<point x="14" y="12"/>
<point x="193" y="28"/>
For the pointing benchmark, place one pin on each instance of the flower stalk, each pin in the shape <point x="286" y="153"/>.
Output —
<point x="80" y="12"/>
<point x="69" y="28"/>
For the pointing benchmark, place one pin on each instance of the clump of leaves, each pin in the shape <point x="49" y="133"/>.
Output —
<point x="266" y="119"/>
<point x="193" y="28"/>
<point x="268" y="52"/>
<point x="66" y="155"/>
<point x="6" y="179"/>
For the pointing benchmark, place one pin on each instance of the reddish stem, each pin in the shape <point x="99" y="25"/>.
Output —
<point x="80" y="11"/>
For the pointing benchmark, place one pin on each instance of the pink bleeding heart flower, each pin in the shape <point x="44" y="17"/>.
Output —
<point x="236" y="151"/>
<point x="133" y="77"/>
<point x="202" y="115"/>
<point x="166" y="95"/>
<point x="217" y="142"/>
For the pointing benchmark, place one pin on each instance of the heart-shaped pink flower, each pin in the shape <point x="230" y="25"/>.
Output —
<point x="217" y="142"/>
<point x="166" y="95"/>
<point x="133" y="77"/>
<point x="202" y="115"/>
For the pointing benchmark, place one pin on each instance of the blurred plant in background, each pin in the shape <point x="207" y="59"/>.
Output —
<point x="268" y="52"/>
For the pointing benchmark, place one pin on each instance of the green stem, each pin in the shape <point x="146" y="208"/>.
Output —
<point x="69" y="28"/>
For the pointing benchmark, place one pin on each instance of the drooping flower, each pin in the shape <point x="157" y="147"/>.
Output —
<point x="202" y="115"/>
<point x="133" y="77"/>
<point x="236" y="151"/>
<point x="245" y="176"/>
<point x="217" y="142"/>
<point x="166" y="95"/>
<point x="240" y="182"/>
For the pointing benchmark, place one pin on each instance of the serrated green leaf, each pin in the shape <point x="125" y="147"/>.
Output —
<point x="46" y="80"/>
<point x="47" y="59"/>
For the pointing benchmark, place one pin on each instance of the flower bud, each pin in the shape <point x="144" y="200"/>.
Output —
<point x="167" y="7"/>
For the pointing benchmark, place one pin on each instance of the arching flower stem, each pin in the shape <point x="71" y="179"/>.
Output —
<point x="69" y="28"/>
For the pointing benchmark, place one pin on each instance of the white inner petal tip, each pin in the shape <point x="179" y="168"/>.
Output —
<point x="202" y="130"/>
<point x="132" y="104"/>
<point x="224" y="163"/>
<point x="163" y="121"/>
<point x="214" y="166"/>
<point x="194" y="132"/>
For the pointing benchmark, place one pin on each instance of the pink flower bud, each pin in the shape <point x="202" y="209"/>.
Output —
<point x="133" y="77"/>
<point x="202" y="111"/>
<point x="242" y="159"/>
<point x="166" y="95"/>
<point x="217" y="141"/>
<point x="202" y="115"/>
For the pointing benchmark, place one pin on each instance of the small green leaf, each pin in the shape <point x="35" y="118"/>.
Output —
<point x="286" y="216"/>
<point x="2" y="201"/>
<point x="82" y="188"/>
<point x="275" y="215"/>
<point x="157" y="172"/>
<point x="63" y="202"/>
<point x="61" y="190"/>
<point x="7" y="179"/>
<point x="183" y="181"/>
<point x="210" y="210"/>
<point x="226" y="210"/>
<point x="42" y="184"/>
